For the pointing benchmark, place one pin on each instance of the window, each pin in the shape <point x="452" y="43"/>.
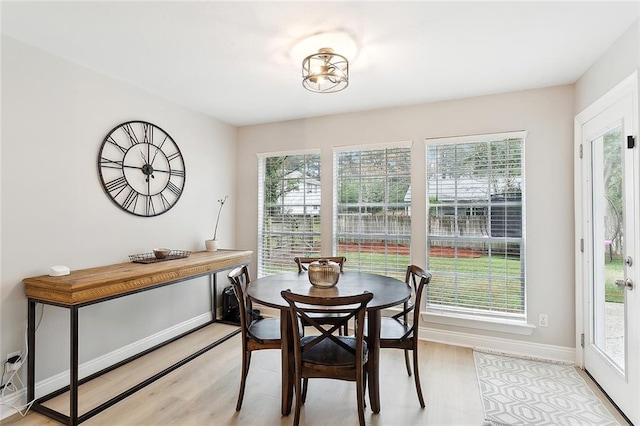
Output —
<point x="289" y="210"/>
<point x="372" y="222"/>
<point x="475" y="244"/>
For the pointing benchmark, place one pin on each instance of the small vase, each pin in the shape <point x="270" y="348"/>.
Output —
<point x="324" y="273"/>
<point x="211" y="245"/>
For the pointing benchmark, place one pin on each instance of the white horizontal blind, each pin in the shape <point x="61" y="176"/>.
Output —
<point x="372" y="221"/>
<point x="475" y="244"/>
<point x="289" y="211"/>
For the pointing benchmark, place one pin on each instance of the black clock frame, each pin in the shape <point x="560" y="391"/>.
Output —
<point x="117" y="174"/>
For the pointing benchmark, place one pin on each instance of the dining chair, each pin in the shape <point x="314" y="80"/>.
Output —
<point x="257" y="334"/>
<point x="400" y="331"/>
<point x="326" y="318"/>
<point x="325" y="354"/>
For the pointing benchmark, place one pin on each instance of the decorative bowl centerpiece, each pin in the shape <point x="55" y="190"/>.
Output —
<point x="324" y="273"/>
<point x="161" y="253"/>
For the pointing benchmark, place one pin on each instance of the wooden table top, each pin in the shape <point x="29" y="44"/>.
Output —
<point x="387" y="291"/>
<point x="103" y="282"/>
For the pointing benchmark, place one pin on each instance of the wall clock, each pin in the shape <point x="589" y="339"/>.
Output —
<point x="141" y="168"/>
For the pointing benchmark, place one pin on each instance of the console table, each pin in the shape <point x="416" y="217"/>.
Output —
<point x="94" y="285"/>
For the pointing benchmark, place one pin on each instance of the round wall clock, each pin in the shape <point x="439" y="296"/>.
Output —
<point x="141" y="168"/>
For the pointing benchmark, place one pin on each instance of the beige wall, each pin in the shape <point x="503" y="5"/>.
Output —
<point x="547" y="116"/>
<point x="55" y="116"/>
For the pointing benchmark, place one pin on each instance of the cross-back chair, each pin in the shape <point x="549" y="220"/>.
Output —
<point x="325" y="354"/>
<point x="326" y="318"/>
<point x="400" y="331"/>
<point x="257" y="334"/>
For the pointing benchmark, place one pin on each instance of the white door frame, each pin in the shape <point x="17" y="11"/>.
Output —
<point x="581" y="265"/>
<point x="624" y="388"/>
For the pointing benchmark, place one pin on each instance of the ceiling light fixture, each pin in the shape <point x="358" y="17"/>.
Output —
<point x="325" y="72"/>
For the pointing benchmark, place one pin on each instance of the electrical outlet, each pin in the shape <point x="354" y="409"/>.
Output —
<point x="12" y="354"/>
<point x="14" y="361"/>
<point x="543" y="320"/>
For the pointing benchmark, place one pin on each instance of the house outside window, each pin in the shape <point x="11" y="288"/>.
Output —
<point x="372" y="221"/>
<point x="288" y="210"/>
<point x="475" y="225"/>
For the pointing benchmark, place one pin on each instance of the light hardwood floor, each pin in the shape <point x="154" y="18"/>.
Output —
<point x="204" y="391"/>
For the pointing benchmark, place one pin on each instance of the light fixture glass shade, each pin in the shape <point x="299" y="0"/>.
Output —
<point x="325" y="72"/>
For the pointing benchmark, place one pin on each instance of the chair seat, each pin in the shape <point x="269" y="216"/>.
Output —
<point x="266" y="328"/>
<point x="328" y="352"/>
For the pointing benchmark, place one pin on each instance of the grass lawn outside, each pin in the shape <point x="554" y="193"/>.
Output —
<point x="492" y="282"/>
<point x="613" y="270"/>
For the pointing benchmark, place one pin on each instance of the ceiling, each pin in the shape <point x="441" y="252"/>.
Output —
<point x="232" y="60"/>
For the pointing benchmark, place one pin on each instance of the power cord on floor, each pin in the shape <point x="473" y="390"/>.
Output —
<point x="14" y="376"/>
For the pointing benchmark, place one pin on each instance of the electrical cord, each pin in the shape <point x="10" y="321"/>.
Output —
<point x="21" y="409"/>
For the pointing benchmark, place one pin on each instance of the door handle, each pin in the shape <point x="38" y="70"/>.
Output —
<point x="625" y="283"/>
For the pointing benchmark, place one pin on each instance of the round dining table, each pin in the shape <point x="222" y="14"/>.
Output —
<point x="387" y="292"/>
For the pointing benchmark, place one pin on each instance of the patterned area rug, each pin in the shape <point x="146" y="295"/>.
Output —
<point x="525" y="392"/>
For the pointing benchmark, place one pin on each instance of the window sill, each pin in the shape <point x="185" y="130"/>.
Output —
<point x="480" y="323"/>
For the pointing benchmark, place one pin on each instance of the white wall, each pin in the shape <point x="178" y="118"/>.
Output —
<point x="547" y="115"/>
<point x="618" y="62"/>
<point x="55" y="116"/>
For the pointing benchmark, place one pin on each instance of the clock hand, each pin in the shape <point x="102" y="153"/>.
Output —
<point x="157" y="148"/>
<point x="147" y="169"/>
<point x="154" y="155"/>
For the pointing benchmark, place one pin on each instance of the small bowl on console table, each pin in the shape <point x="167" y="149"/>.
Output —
<point x="161" y="253"/>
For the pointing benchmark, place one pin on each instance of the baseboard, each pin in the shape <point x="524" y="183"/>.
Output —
<point x="48" y="385"/>
<point x="496" y="344"/>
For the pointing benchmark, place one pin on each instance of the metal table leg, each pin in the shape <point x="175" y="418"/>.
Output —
<point x="73" y="391"/>
<point x="31" y="354"/>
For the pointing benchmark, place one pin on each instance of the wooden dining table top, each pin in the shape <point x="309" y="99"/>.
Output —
<point x="387" y="291"/>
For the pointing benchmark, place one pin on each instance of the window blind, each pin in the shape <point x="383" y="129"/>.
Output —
<point x="475" y="244"/>
<point x="372" y="216"/>
<point x="289" y="210"/>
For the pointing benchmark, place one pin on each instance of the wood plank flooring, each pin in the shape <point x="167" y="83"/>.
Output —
<point x="204" y="391"/>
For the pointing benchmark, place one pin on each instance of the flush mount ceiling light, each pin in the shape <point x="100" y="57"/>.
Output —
<point x="325" y="60"/>
<point x="325" y="72"/>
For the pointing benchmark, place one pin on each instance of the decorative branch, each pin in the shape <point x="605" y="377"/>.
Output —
<point x="221" y="201"/>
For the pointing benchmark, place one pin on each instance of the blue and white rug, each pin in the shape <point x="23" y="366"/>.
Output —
<point x="519" y="391"/>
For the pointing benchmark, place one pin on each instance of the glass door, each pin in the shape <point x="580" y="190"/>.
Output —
<point x="610" y="194"/>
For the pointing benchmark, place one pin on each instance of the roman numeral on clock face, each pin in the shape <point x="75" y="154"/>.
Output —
<point x="117" y="184"/>
<point x="173" y="188"/>
<point x="112" y="164"/>
<point x="131" y="200"/>
<point x="128" y="129"/>
<point x="148" y="133"/>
